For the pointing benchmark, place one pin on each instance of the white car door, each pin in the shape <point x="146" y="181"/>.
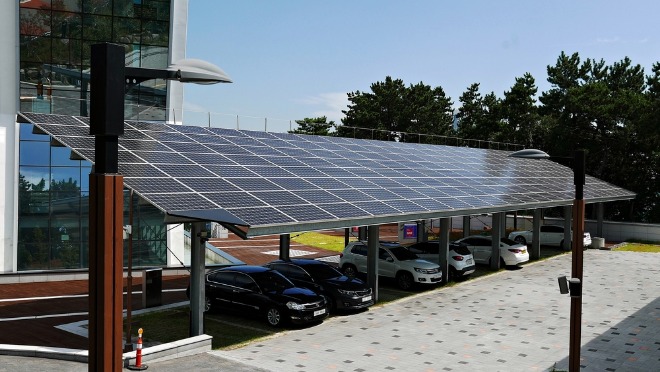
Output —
<point x="386" y="265"/>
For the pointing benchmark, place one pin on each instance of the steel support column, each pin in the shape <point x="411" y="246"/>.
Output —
<point x="372" y="259"/>
<point x="197" y="279"/>
<point x="535" y="252"/>
<point x="497" y="235"/>
<point x="568" y="225"/>
<point x="444" y="248"/>
<point x="466" y="226"/>
<point x="285" y="247"/>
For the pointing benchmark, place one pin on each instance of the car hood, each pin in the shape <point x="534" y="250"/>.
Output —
<point x="297" y="294"/>
<point x="344" y="282"/>
<point x="419" y="263"/>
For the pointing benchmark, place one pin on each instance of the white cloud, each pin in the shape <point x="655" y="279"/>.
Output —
<point x="602" y="40"/>
<point x="327" y="104"/>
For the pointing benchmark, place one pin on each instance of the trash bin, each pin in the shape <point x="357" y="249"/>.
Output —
<point x="152" y="287"/>
<point x="598" y="243"/>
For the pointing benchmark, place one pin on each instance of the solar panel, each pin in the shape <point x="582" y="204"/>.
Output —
<point x="282" y="182"/>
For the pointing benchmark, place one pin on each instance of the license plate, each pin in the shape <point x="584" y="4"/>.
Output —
<point x="365" y="299"/>
<point x="469" y="261"/>
<point x="319" y="312"/>
<point x="524" y="251"/>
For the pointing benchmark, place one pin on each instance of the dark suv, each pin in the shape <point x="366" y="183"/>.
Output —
<point x="264" y="292"/>
<point x="343" y="293"/>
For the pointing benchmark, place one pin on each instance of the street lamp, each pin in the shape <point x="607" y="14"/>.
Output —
<point x="577" y="249"/>
<point x="108" y="79"/>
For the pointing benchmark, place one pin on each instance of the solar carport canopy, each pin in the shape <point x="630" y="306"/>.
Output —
<point x="275" y="183"/>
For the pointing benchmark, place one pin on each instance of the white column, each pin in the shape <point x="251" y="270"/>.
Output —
<point x="177" y="52"/>
<point x="9" y="101"/>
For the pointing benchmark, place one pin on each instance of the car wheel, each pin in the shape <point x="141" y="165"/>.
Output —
<point x="350" y="270"/>
<point x="208" y="306"/>
<point x="331" y="303"/>
<point x="502" y="263"/>
<point x="274" y="316"/>
<point x="520" y="239"/>
<point x="405" y="280"/>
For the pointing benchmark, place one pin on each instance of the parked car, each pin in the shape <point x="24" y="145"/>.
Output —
<point x="549" y="235"/>
<point x="263" y="292"/>
<point x="511" y="252"/>
<point x="460" y="262"/>
<point x="342" y="292"/>
<point x="394" y="261"/>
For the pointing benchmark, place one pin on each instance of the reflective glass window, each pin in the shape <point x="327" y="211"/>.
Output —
<point x="97" y="7"/>
<point x="33" y="248"/>
<point x="61" y="156"/>
<point x="97" y="27"/>
<point x="26" y="132"/>
<point x="34" y="22"/>
<point x="34" y="153"/>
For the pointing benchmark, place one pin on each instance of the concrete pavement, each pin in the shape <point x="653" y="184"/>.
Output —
<point x="514" y="320"/>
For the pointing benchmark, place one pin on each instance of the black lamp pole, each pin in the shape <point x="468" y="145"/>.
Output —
<point x="577" y="247"/>
<point x="577" y="262"/>
<point x="106" y="209"/>
<point x="108" y="80"/>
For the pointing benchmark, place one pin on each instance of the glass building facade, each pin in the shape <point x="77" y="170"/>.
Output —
<point x="55" y="42"/>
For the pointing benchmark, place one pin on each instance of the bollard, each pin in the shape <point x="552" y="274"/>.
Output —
<point x="138" y="355"/>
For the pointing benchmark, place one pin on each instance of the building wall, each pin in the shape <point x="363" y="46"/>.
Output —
<point x="50" y="44"/>
<point x="8" y="132"/>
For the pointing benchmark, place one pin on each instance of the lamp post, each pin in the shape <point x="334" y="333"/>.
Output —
<point x="577" y="253"/>
<point x="108" y="79"/>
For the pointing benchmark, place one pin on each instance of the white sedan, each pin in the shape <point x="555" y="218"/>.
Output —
<point x="511" y="253"/>
<point x="549" y="235"/>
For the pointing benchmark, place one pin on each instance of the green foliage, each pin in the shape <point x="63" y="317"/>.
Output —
<point x="392" y="110"/>
<point x="315" y="126"/>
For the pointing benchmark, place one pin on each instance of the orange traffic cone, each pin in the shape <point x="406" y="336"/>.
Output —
<point x="138" y="355"/>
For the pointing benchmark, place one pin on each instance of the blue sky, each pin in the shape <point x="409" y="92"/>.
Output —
<point x="291" y="59"/>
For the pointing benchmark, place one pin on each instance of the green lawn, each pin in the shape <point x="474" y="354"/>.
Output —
<point x="323" y="241"/>
<point x="638" y="247"/>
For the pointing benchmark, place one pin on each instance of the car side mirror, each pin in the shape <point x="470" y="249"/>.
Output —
<point x="389" y="259"/>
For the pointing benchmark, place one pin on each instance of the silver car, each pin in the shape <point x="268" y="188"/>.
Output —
<point x="394" y="261"/>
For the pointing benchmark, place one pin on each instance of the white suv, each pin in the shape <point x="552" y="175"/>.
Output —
<point x="394" y="261"/>
<point x="460" y="262"/>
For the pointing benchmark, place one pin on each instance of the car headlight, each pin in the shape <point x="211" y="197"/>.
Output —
<point x="426" y="271"/>
<point x="294" y="306"/>
<point x="345" y="292"/>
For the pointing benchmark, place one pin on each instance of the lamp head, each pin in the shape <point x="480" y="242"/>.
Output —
<point x="529" y="154"/>
<point x="197" y="71"/>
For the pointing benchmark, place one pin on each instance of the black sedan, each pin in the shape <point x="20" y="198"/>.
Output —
<point x="344" y="293"/>
<point x="263" y="292"/>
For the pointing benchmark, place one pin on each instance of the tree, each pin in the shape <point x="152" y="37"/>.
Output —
<point x="520" y="113"/>
<point x="391" y="110"/>
<point x="479" y="117"/>
<point x="608" y="111"/>
<point x="316" y="126"/>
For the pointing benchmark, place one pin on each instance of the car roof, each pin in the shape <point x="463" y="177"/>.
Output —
<point x="299" y="261"/>
<point x="243" y="269"/>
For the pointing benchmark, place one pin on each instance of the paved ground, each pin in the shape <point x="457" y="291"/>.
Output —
<point x="514" y="320"/>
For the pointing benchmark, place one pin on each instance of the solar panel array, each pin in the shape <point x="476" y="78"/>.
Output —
<point x="280" y="182"/>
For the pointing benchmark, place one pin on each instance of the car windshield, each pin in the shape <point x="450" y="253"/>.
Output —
<point x="271" y="280"/>
<point x="460" y="249"/>
<point x="402" y="254"/>
<point x="509" y="241"/>
<point x="322" y="272"/>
